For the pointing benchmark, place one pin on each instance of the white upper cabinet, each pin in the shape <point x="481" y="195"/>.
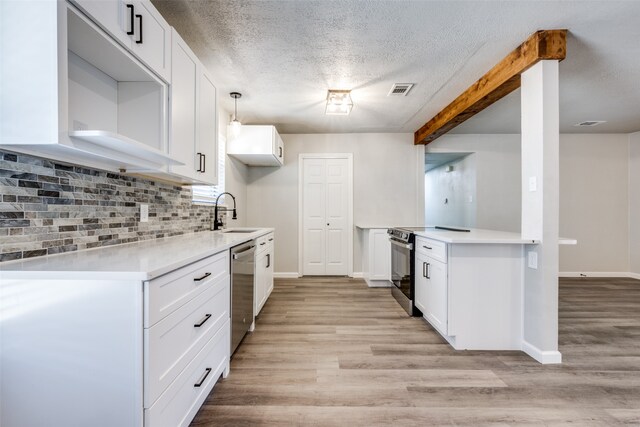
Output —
<point x="138" y="26"/>
<point x="75" y="94"/>
<point x="257" y="146"/>
<point x="193" y="117"/>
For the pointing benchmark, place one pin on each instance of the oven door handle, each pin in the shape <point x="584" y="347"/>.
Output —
<point x="402" y="245"/>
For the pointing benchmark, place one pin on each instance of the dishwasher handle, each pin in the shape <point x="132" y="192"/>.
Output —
<point x="242" y="254"/>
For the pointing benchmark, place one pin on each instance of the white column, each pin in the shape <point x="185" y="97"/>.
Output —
<point x="540" y="209"/>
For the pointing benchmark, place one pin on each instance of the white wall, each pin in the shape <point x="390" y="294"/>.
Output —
<point x="497" y="159"/>
<point x="634" y="203"/>
<point x="595" y="172"/>
<point x="594" y="202"/>
<point x="450" y="197"/>
<point x="388" y="187"/>
<point x="236" y="177"/>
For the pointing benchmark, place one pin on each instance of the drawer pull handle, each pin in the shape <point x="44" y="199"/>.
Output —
<point x="198" y="279"/>
<point x="203" y="321"/>
<point x="139" y="41"/>
<point x="427" y="247"/>
<point x="263" y="243"/>
<point x="271" y="239"/>
<point x="131" y="19"/>
<point x="204" y="377"/>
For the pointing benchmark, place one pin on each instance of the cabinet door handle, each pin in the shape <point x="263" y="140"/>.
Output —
<point x="204" y="377"/>
<point x="271" y="239"/>
<point x="199" y="163"/>
<point x="428" y="276"/>
<point x="139" y="41"/>
<point x="203" y="321"/>
<point x="427" y="247"/>
<point x="204" y="163"/>
<point x="280" y="155"/>
<point x="131" y="19"/>
<point x="263" y="243"/>
<point x="268" y="260"/>
<point x="199" y="279"/>
<point x="424" y="269"/>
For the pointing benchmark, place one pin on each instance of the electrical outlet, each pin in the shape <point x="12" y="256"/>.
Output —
<point x="533" y="184"/>
<point x="532" y="258"/>
<point x="144" y="212"/>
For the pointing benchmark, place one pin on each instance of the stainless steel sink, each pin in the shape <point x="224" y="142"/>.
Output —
<point x="245" y="230"/>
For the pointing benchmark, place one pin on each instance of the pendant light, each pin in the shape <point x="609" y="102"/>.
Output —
<point x="235" y="126"/>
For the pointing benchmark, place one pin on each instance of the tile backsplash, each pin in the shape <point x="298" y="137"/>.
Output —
<point x="49" y="208"/>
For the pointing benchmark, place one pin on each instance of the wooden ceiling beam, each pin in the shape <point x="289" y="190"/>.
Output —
<point x="498" y="82"/>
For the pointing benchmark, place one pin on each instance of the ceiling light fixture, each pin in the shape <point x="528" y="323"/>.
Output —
<point x="338" y="102"/>
<point x="235" y="126"/>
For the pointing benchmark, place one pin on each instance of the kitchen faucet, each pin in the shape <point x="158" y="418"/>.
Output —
<point x="217" y="224"/>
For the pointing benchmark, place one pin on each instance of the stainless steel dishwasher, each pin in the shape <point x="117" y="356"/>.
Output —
<point x="242" y="277"/>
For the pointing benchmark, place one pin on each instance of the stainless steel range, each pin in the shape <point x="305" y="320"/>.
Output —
<point x="403" y="267"/>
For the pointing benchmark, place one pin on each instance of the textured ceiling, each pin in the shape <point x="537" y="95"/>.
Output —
<point x="284" y="55"/>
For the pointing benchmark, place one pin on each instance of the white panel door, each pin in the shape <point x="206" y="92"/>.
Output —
<point x="207" y="135"/>
<point x="337" y="211"/>
<point x="314" y="211"/>
<point x="437" y="295"/>
<point x="325" y="217"/>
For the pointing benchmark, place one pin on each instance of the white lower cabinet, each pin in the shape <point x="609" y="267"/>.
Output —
<point x="431" y="292"/>
<point x="264" y="271"/>
<point x="187" y="348"/>
<point x="116" y="350"/>
<point x="471" y="293"/>
<point x="180" y="402"/>
<point x="376" y="257"/>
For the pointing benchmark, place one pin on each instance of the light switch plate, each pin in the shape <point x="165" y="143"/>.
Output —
<point x="532" y="259"/>
<point x="144" y="212"/>
<point x="533" y="183"/>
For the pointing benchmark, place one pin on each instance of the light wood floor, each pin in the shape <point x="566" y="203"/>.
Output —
<point x="332" y="352"/>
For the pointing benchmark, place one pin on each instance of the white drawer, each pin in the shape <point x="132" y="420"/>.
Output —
<point x="263" y="242"/>
<point x="167" y="293"/>
<point x="433" y="248"/>
<point x="180" y="402"/>
<point x="175" y="340"/>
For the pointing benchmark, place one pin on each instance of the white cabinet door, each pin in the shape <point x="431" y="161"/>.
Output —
<point x="379" y="255"/>
<point x="260" y="281"/>
<point x="269" y="275"/>
<point x="182" y="146"/>
<point x="437" y="296"/>
<point x="421" y="283"/>
<point x="152" y="38"/>
<point x="207" y="134"/>
<point x="115" y="17"/>
<point x="279" y="151"/>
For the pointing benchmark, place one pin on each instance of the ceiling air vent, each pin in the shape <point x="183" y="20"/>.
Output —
<point x="590" y="123"/>
<point x="400" y="89"/>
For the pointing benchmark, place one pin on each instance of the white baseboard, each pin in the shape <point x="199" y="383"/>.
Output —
<point x="358" y="275"/>
<point x="286" y="275"/>
<point x="544" y="357"/>
<point x="599" y="274"/>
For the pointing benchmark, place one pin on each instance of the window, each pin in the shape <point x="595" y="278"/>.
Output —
<point x="208" y="193"/>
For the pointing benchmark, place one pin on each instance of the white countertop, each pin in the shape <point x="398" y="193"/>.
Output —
<point x="133" y="261"/>
<point x="476" y="235"/>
